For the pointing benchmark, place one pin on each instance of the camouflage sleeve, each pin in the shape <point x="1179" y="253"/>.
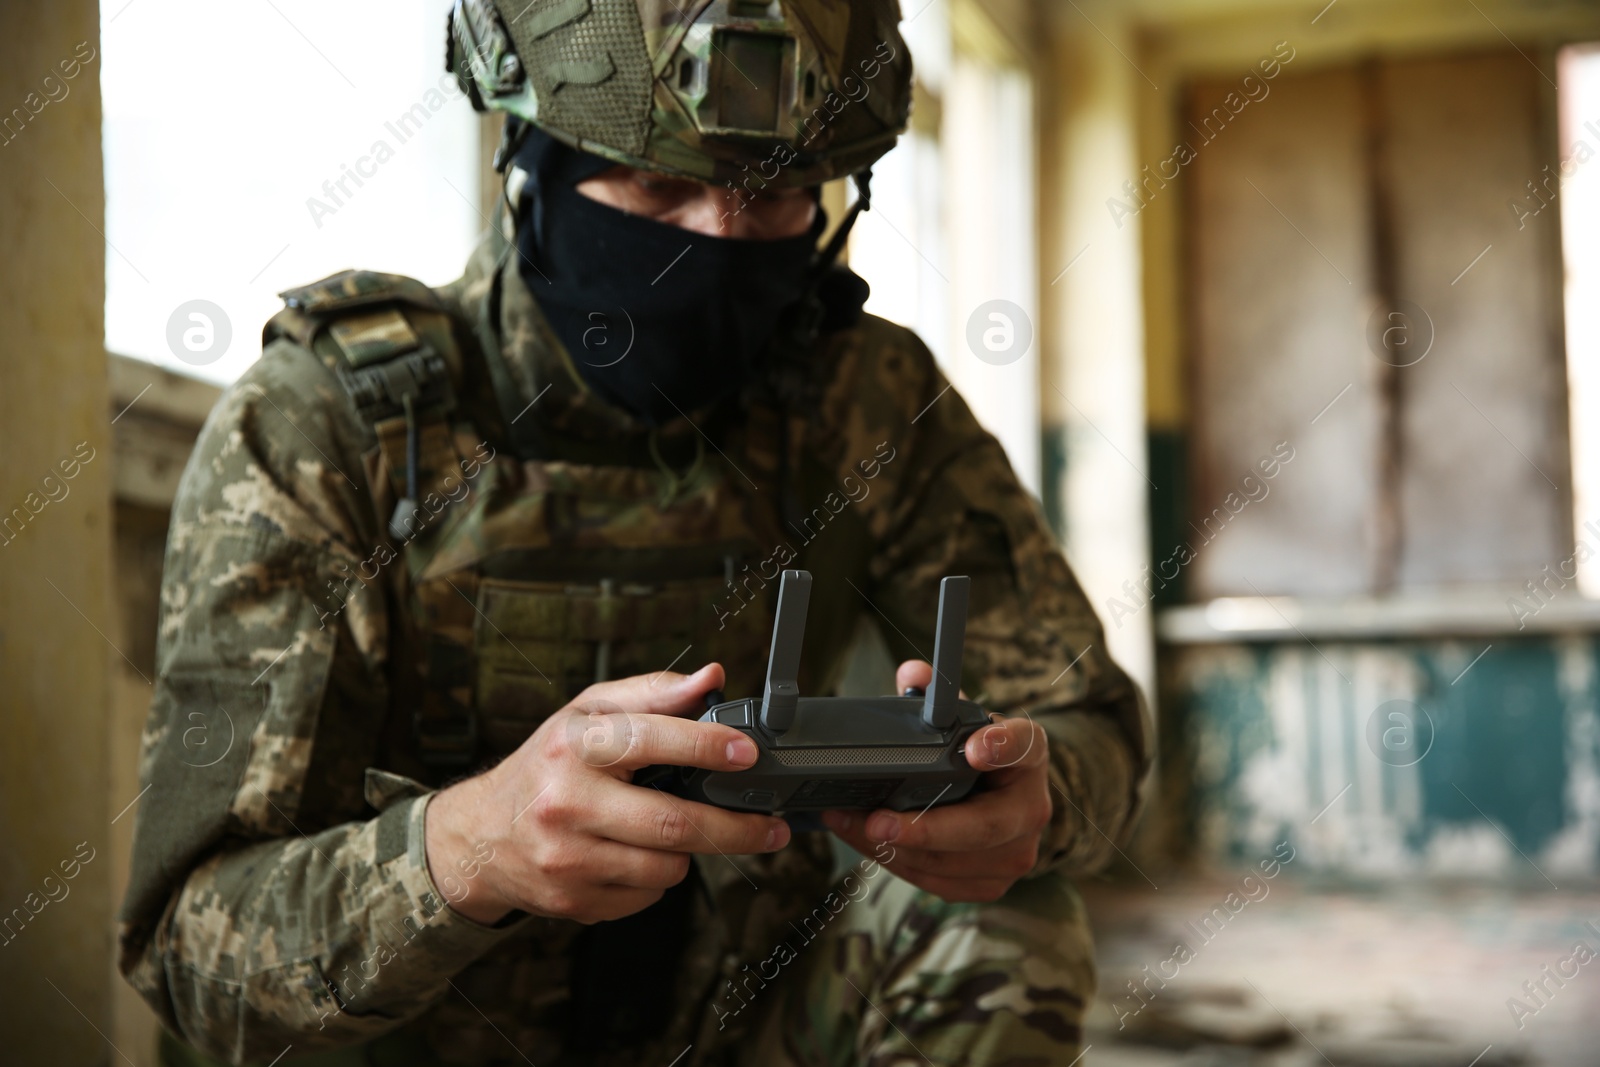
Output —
<point x="1034" y="645"/>
<point x="270" y="905"/>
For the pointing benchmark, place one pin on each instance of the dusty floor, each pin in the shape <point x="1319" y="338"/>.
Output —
<point x="1403" y="977"/>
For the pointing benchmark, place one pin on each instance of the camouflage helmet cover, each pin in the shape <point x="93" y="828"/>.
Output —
<point x="795" y="91"/>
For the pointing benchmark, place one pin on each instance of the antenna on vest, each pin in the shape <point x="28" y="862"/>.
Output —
<point x="939" y="703"/>
<point x="782" y="694"/>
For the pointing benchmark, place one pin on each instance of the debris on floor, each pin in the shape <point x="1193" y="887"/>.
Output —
<point x="1398" y="976"/>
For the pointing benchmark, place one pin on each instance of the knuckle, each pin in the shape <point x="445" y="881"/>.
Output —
<point x="552" y="809"/>
<point x="621" y="904"/>
<point x="704" y="746"/>
<point x="700" y="747"/>
<point x="589" y="915"/>
<point x="638" y="734"/>
<point x="564" y="904"/>
<point x="557" y="742"/>
<point x="559" y="861"/>
<point x="633" y="729"/>
<point x="674" y="869"/>
<point x="671" y="826"/>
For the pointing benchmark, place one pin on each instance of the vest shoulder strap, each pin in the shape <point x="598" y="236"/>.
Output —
<point x="357" y="288"/>
<point x="393" y="345"/>
<point x="384" y="336"/>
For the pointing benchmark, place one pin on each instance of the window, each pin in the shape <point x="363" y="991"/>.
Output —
<point x="1579" y="183"/>
<point x="952" y="228"/>
<point x="1361" y="292"/>
<point x="254" y="147"/>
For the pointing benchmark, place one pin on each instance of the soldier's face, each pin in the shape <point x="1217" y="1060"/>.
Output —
<point x="714" y="210"/>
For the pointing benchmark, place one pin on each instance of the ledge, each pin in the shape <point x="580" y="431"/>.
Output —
<point x="157" y="392"/>
<point x="1478" y="613"/>
<point x="156" y="417"/>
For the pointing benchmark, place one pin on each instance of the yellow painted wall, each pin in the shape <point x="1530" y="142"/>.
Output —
<point x="55" y="589"/>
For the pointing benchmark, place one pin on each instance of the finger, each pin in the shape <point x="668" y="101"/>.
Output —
<point x="1010" y="746"/>
<point x="848" y="827"/>
<point x="982" y="820"/>
<point x="1011" y="860"/>
<point x="913" y="674"/>
<point x="629" y="867"/>
<point x="649" y="818"/>
<point x="961" y="890"/>
<point x="990" y="886"/>
<point x="606" y="737"/>
<point x="597" y="903"/>
<point x="665" y="693"/>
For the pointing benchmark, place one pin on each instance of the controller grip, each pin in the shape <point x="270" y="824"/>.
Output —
<point x="661" y="776"/>
<point x="670" y="780"/>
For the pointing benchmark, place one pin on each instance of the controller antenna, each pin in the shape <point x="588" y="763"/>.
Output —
<point x="782" y="695"/>
<point x="939" y="703"/>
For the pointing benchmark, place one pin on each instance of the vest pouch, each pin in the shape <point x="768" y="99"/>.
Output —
<point x="538" y="644"/>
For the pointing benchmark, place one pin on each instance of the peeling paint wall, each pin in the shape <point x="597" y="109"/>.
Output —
<point x="1389" y="760"/>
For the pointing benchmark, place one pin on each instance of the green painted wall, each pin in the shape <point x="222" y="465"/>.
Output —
<point x="1388" y="759"/>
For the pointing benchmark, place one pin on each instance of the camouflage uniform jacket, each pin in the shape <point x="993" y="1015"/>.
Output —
<point x="308" y="657"/>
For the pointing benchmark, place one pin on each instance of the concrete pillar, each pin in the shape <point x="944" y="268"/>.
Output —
<point x="1092" y="323"/>
<point x="55" y="543"/>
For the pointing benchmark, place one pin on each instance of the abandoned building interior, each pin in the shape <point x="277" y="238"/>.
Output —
<point x="1301" y="303"/>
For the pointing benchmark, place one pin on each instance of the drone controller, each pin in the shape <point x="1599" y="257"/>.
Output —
<point x="823" y="753"/>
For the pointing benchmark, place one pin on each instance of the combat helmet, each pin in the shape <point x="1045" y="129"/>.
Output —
<point x="789" y="92"/>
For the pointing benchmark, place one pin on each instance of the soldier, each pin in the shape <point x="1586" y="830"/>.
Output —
<point x="435" y="541"/>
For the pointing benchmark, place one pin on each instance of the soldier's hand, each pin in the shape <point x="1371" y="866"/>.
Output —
<point x="977" y="849"/>
<point x="571" y="837"/>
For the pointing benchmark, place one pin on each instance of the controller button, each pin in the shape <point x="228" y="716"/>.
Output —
<point x="758" y="798"/>
<point x="735" y="715"/>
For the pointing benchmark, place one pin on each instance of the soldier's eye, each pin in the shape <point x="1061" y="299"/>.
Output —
<point x="663" y="188"/>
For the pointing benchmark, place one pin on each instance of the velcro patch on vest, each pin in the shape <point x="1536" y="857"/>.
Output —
<point x="374" y="337"/>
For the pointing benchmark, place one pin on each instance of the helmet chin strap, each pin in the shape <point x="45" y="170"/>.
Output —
<point x="794" y="344"/>
<point x="830" y="254"/>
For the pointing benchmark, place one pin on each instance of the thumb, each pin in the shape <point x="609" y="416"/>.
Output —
<point x="913" y="674"/>
<point x="1009" y="746"/>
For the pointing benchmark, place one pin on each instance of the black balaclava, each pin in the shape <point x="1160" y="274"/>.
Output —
<point x="659" y="321"/>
